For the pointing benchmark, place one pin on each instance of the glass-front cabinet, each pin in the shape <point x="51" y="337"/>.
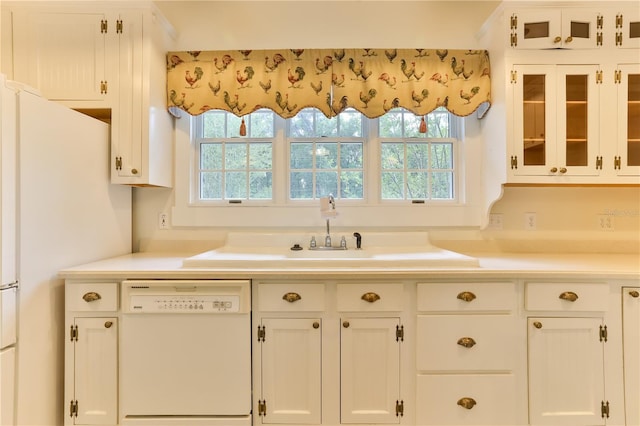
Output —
<point x="556" y="29"/>
<point x="556" y="120"/>
<point x="627" y="160"/>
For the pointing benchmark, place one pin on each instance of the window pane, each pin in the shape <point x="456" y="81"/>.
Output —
<point x="392" y="185"/>
<point x="350" y="124"/>
<point x="351" y="155"/>
<point x="412" y="126"/>
<point x="301" y="155"/>
<point x="260" y="185"/>
<point x="441" y="156"/>
<point x="326" y="126"/>
<point x="390" y="124"/>
<point x="211" y="186"/>
<point x="417" y="156"/>
<point x="351" y="185"/>
<point x="442" y="185"/>
<point x="235" y="185"/>
<point x="326" y="183"/>
<point x="260" y="156"/>
<point x="392" y="156"/>
<point x="326" y="155"/>
<point x="417" y="184"/>
<point x="301" y="125"/>
<point x="235" y="156"/>
<point x="213" y="125"/>
<point x="262" y="124"/>
<point x="301" y="185"/>
<point x="211" y="156"/>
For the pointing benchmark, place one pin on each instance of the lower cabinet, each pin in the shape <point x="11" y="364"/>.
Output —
<point x="631" y="354"/>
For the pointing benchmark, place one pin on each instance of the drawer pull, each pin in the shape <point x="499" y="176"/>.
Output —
<point x="537" y="324"/>
<point x="467" y="342"/>
<point x="346" y="324"/>
<point x="92" y="296"/>
<point x="316" y="324"/>
<point x="370" y="297"/>
<point x="291" y="297"/>
<point x="634" y="293"/>
<point x="569" y="296"/>
<point x="108" y="324"/>
<point x="467" y="296"/>
<point x="467" y="402"/>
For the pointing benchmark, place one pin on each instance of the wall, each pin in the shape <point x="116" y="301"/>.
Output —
<point x="567" y="218"/>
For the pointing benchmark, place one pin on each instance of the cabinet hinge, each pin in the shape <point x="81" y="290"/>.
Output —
<point x="514" y="162"/>
<point x="514" y="22"/>
<point x="399" y="333"/>
<point x="103" y="26"/>
<point x="619" y="20"/>
<point x="599" y="162"/>
<point x="617" y="77"/>
<point x="118" y="163"/>
<point x="261" y="333"/>
<point x="514" y="39"/>
<point x="514" y="77"/>
<point x="603" y="333"/>
<point x="399" y="408"/>
<point x="617" y="161"/>
<point x="599" y="38"/>
<point x="599" y="21"/>
<point x="618" y="39"/>
<point x="599" y="77"/>
<point x="73" y="408"/>
<point x="103" y="87"/>
<point x="74" y="333"/>
<point x="119" y="26"/>
<point x="262" y="407"/>
<point x="604" y="409"/>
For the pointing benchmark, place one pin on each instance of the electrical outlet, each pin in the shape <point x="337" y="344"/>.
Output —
<point x="495" y="221"/>
<point x="163" y="220"/>
<point x="606" y="222"/>
<point x="530" y="221"/>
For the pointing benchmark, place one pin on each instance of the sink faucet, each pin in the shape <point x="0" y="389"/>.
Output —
<point x="327" y="239"/>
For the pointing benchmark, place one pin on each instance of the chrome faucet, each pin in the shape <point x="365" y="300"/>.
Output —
<point x="327" y="238"/>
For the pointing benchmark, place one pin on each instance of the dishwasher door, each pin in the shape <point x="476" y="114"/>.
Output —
<point x="186" y="350"/>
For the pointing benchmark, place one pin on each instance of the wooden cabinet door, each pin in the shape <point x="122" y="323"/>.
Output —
<point x="631" y="341"/>
<point x="96" y="371"/>
<point x="62" y="53"/>
<point x="566" y="371"/>
<point x="291" y="371"/>
<point x="370" y="370"/>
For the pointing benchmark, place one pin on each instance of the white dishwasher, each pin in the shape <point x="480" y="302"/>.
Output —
<point x="185" y="354"/>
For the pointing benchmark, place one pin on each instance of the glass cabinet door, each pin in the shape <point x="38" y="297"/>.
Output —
<point x="556" y="29"/>
<point x="627" y="162"/>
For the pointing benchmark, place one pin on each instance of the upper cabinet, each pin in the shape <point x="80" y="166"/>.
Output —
<point x="556" y="28"/>
<point x="109" y="62"/>
<point x="627" y="160"/>
<point x="627" y="23"/>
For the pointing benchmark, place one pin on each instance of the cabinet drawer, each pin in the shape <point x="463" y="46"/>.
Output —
<point x="466" y="342"/>
<point x="91" y="297"/>
<point x="569" y="297"/>
<point x="466" y="400"/>
<point x="290" y="297"/>
<point x="370" y="297"/>
<point x="466" y="297"/>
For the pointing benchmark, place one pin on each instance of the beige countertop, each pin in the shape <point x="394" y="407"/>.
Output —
<point x="162" y="265"/>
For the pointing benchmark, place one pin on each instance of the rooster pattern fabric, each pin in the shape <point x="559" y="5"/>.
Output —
<point x="372" y="81"/>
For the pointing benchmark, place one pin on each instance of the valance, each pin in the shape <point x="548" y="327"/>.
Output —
<point x="372" y="81"/>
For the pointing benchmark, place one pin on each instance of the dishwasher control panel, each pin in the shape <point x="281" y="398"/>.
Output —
<point x="192" y="304"/>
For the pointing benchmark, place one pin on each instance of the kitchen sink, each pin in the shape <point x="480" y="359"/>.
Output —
<point x="288" y="250"/>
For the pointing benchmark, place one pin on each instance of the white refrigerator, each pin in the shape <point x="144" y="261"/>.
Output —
<point x="60" y="210"/>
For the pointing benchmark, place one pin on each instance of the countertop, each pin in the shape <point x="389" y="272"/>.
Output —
<point x="162" y="265"/>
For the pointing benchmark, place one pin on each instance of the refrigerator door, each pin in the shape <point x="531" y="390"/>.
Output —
<point x="7" y="183"/>
<point x="69" y="214"/>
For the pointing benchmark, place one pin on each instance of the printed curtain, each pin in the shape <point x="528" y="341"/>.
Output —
<point x="372" y="81"/>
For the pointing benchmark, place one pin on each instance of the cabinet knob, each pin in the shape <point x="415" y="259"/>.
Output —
<point x="134" y="171"/>
<point x="563" y="170"/>
<point x="108" y="324"/>
<point x="554" y="170"/>
<point x="467" y="342"/>
<point x="467" y="402"/>
<point x="346" y="324"/>
<point x="569" y="296"/>
<point x="370" y="297"/>
<point x="91" y="296"/>
<point x="537" y="324"/>
<point x="467" y="296"/>
<point x="557" y="40"/>
<point x="316" y="324"/>
<point x="568" y="39"/>
<point x="634" y="293"/>
<point x="291" y="297"/>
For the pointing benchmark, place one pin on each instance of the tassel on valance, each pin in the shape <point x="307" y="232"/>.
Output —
<point x="372" y="81"/>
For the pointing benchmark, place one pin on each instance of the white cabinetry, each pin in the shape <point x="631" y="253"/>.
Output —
<point x="91" y="354"/>
<point x="109" y="63"/>
<point x="627" y="160"/>
<point x="628" y="28"/>
<point x="556" y="28"/>
<point x="631" y="344"/>
<point x="566" y="353"/>
<point x="556" y="121"/>
<point x="468" y="352"/>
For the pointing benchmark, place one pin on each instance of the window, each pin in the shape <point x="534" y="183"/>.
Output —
<point x="382" y="172"/>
